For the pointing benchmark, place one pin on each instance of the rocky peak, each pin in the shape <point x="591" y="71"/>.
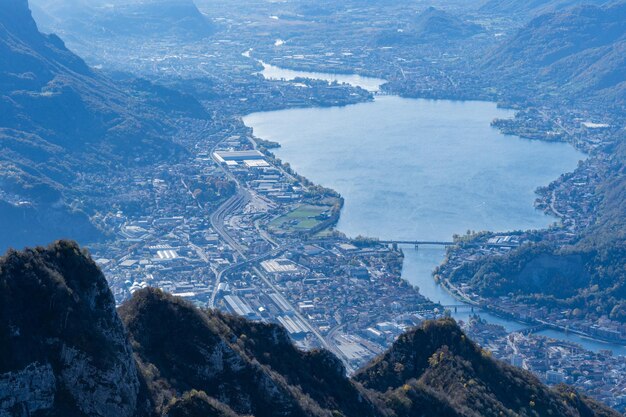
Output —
<point x="63" y="346"/>
<point x="16" y="15"/>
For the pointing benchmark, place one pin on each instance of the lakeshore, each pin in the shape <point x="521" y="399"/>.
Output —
<point x="317" y="148"/>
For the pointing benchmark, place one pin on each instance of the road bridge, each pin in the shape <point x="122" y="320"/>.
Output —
<point x="418" y="243"/>
<point x="457" y="307"/>
<point x="532" y="329"/>
<point x="451" y="307"/>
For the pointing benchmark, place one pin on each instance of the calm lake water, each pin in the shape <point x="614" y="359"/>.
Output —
<point x="418" y="169"/>
<point x="421" y="170"/>
<point x="272" y="72"/>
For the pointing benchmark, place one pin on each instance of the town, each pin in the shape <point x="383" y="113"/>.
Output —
<point x="230" y="226"/>
<point x="268" y="252"/>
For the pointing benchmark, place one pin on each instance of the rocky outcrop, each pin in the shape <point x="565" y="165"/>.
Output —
<point x="181" y="348"/>
<point x="27" y="391"/>
<point x="63" y="349"/>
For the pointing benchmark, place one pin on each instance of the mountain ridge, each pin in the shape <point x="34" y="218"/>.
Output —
<point x="533" y="7"/>
<point x="432" y="25"/>
<point x="160" y="355"/>
<point x="577" y="54"/>
<point x="143" y="19"/>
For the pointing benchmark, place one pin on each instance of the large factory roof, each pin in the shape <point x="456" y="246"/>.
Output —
<point x="224" y="156"/>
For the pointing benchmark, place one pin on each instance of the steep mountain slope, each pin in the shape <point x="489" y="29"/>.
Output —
<point x="49" y="91"/>
<point x="61" y="121"/>
<point x="62" y="346"/>
<point x="577" y="53"/>
<point x="65" y="351"/>
<point x="231" y="360"/>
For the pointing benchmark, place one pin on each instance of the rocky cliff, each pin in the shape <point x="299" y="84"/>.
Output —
<point x="64" y="349"/>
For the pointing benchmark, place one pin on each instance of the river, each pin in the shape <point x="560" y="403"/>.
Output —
<point x="420" y="170"/>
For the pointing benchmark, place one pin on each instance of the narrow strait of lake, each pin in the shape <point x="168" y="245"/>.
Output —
<point x="421" y="170"/>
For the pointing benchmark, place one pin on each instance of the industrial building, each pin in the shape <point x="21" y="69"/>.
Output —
<point x="238" y="156"/>
<point x="238" y="306"/>
<point x="294" y="326"/>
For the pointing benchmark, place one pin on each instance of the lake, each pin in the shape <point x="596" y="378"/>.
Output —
<point x="418" y="169"/>
<point x="421" y="170"/>
<point x="272" y="72"/>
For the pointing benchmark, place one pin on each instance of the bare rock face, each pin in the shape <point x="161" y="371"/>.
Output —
<point x="27" y="391"/>
<point x="63" y="349"/>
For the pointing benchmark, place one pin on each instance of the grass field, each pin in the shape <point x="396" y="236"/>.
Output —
<point x="302" y="219"/>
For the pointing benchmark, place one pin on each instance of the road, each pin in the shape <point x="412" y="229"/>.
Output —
<point x="236" y="202"/>
<point x="236" y="266"/>
<point x="217" y="219"/>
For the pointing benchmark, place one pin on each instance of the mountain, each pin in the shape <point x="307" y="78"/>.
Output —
<point x="66" y="351"/>
<point x="533" y="7"/>
<point x="578" y="54"/>
<point x="436" y="22"/>
<point x="82" y="19"/>
<point x="60" y="122"/>
<point x="432" y="25"/>
<point x="438" y="358"/>
<point x="251" y="367"/>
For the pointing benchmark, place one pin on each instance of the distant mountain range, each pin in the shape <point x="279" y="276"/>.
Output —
<point x="578" y="54"/>
<point x="140" y="19"/>
<point x="66" y="351"/>
<point x="59" y="120"/>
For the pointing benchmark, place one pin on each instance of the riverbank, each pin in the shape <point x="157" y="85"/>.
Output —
<point x="536" y="324"/>
<point x="313" y="152"/>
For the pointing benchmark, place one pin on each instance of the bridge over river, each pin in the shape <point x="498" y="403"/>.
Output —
<point x="451" y="307"/>
<point x="418" y="243"/>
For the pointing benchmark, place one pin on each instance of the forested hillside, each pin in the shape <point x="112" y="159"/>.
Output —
<point x="588" y="278"/>
<point x="578" y="54"/>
